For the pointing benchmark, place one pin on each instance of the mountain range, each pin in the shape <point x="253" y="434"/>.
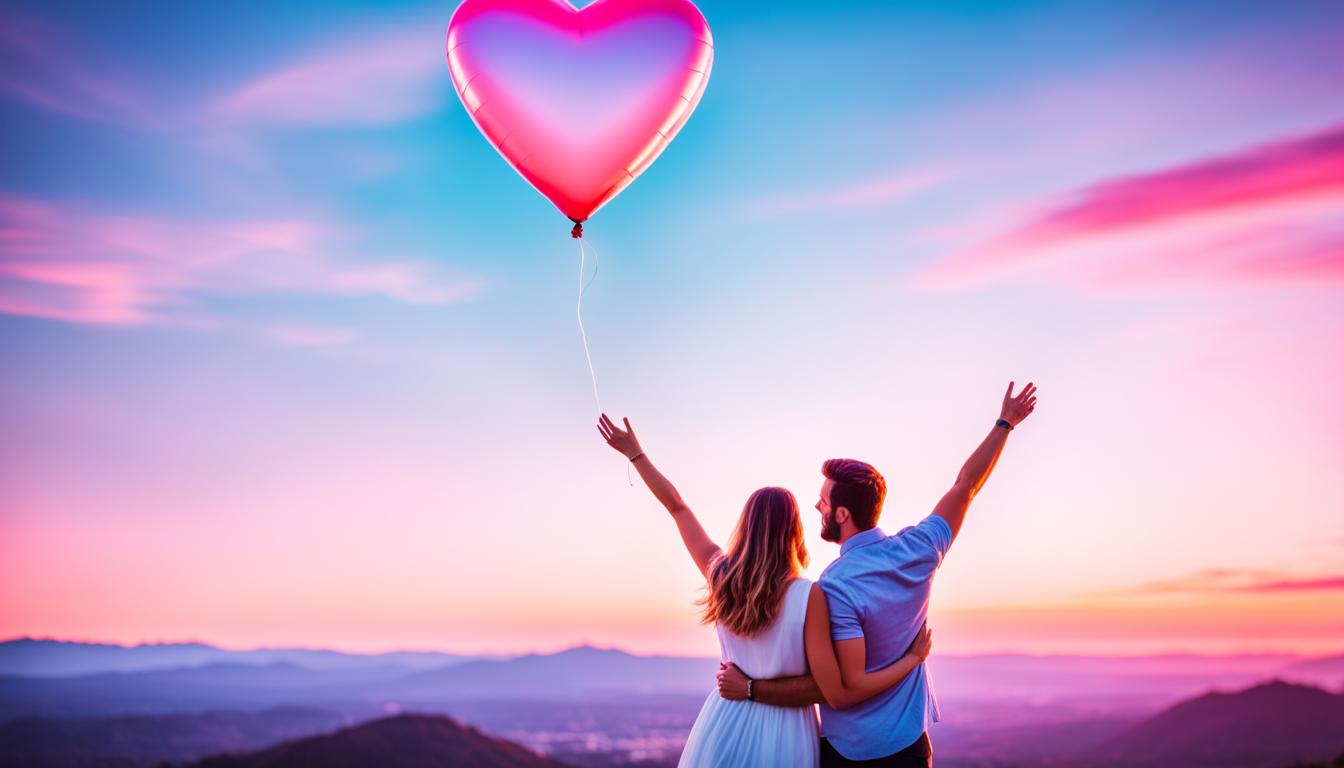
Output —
<point x="1272" y="724"/>
<point x="148" y="677"/>
<point x="603" y="707"/>
<point x="45" y="657"/>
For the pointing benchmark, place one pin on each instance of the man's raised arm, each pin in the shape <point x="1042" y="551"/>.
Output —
<point x="800" y="691"/>
<point x="974" y="473"/>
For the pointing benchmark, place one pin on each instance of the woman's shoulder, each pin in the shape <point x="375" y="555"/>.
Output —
<point x="801" y="586"/>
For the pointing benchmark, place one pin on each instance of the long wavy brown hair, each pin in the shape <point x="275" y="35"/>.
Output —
<point x="767" y="551"/>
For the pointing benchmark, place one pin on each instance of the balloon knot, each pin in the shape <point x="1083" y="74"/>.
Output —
<point x="577" y="231"/>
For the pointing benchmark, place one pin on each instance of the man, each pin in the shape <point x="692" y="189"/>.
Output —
<point x="878" y="593"/>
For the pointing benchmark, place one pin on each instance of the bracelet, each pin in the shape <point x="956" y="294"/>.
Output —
<point x="1004" y="423"/>
<point x="636" y="457"/>
<point x="750" y="696"/>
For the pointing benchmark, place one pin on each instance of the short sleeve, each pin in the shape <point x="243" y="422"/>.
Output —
<point x="932" y="536"/>
<point x="845" y="624"/>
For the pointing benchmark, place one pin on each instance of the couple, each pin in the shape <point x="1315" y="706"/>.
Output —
<point x="855" y="642"/>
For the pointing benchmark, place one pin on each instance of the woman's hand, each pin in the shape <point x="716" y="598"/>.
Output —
<point x="702" y="549"/>
<point x="922" y="644"/>
<point x="1016" y="408"/>
<point x="622" y="440"/>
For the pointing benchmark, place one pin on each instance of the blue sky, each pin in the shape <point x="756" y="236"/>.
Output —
<point x="242" y="320"/>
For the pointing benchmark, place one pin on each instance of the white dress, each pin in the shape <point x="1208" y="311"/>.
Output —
<point x="749" y="734"/>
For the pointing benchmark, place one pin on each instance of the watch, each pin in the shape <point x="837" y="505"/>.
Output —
<point x="1004" y="423"/>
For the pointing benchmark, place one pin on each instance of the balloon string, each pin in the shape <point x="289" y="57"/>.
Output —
<point x="578" y="312"/>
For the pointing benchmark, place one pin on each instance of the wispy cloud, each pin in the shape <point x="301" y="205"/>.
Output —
<point x="101" y="268"/>
<point x="38" y="66"/>
<point x="860" y="194"/>
<point x="311" y="336"/>
<point x="1233" y="580"/>
<point x="1268" y="212"/>
<point x="1298" y="585"/>
<point x="1300" y="168"/>
<point x="380" y="78"/>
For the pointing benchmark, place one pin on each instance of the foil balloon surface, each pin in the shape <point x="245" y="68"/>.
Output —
<point x="579" y="102"/>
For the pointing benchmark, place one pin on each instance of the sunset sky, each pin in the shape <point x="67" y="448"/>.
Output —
<point x="290" y="354"/>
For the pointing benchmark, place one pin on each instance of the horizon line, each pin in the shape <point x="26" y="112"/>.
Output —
<point x="591" y="646"/>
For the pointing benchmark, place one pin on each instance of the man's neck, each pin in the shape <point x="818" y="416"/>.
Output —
<point x="846" y="534"/>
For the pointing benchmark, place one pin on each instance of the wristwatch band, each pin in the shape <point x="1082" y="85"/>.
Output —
<point x="1004" y="423"/>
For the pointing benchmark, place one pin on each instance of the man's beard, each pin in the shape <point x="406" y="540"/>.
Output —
<point x="830" y="529"/>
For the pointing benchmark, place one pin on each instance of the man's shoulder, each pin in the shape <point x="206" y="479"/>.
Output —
<point x="931" y="532"/>
<point x="837" y="571"/>
<point x="853" y="563"/>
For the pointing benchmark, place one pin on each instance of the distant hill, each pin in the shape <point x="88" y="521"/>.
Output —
<point x="579" y="673"/>
<point x="188" y="689"/>
<point x="576" y="673"/>
<point x="404" y="741"/>
<point x="1326" y="672"/>
<point x="1272" y="725"/>
<point x="1139" y="684"/>
<point x="1121" y="686"/>
<point x="144" y="741"/>
<point x="32" y="657"/>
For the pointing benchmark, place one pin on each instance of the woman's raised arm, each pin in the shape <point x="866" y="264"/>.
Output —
<point x="698" y="544"/>
<point x="845" y="690"/>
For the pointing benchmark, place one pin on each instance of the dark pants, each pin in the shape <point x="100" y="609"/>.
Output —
<point x="917" y="755"/>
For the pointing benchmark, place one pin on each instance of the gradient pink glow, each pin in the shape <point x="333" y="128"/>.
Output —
<point x="366" y="535"/>
<point x="579" y="102"/>
<point x="1226" y="624"/>
<point x="1270" y="211"/>
<point x="99" y="268"/>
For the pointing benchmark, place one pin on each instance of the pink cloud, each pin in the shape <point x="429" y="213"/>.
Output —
<point x="105" y="269"/>
<point x="1269" y="212"/>
<point x="856" y="195"/>
<point x="36" y="67"/>
<point x="1234" y="580"/>
<point x="386" y="77"/>
<point x="1298" y="585"/>
<point x="1293" y="169"/>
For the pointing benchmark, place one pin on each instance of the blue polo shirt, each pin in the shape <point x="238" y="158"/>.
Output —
<point x="878" y="589"/>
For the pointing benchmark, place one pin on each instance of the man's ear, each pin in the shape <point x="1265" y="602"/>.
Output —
<point x="841" y="515"/>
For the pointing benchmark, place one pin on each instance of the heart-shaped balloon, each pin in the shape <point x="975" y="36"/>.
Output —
<point x="579" y="102"/>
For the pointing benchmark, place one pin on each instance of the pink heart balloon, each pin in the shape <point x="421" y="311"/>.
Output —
<point x="579" y="102"/>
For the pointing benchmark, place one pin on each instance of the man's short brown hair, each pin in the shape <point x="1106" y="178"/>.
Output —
<point x="858" y="487"/>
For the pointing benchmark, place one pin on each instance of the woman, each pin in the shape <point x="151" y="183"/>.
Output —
<point x="770" y="622"/>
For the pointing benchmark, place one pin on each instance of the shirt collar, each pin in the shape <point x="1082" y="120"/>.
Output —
<point x="862" y="538"/>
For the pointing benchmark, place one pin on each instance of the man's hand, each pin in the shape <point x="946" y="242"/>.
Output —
<point x="732" y="682"/>
<point x="622" y="440"/>
<point x="922" y="644"/>
<point x="1015" y="409"/>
